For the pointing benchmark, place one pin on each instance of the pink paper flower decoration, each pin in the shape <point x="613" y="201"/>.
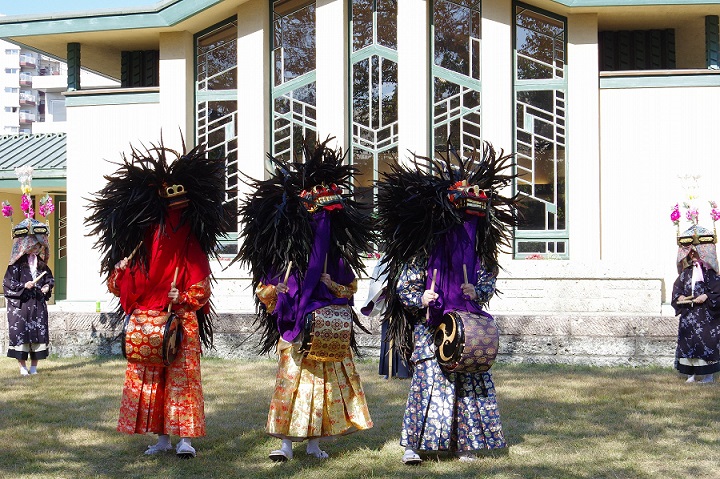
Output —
<point x="46" y="206"/>
<point x="7" y="209"/>
<point x="675" y="214"/>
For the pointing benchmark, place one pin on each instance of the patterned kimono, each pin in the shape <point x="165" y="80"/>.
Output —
<point x="698" y="348"/>
<point x="27" y="310"/>
<point x="446" y="411"/>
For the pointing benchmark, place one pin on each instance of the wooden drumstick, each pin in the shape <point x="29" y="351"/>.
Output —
<point x="391" y="353"/>
<point x="465" y="273"/>
<point x="172" y="285"/>
<point x="325" y="265"/>
<point x="287" y="272"/>
<point x="34" y="282"/>
<point x="134" y="251"/>
<point x="432" y="288"/>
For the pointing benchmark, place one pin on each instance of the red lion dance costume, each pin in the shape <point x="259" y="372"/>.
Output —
<point x="157" y="223"/>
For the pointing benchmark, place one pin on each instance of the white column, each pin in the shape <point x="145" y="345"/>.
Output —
<point x="583" y="146"/>
<point x="177" y="89"/>
<point x="413" y="78"/>
<point x="253" y="87"/>
<point x="497" y="74"/>
<point x="332" y="71"/>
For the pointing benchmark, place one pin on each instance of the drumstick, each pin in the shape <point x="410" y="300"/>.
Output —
<point x="34" y="282"/>
<point x="172" y="285"/>
<point x="432" y="288"/>
<point x="287" y="272"/>
<point x="465" y="273"/>
<point x="134" y="251"/>
<point x="390" y="359"/>
<point x="325" y="265"/>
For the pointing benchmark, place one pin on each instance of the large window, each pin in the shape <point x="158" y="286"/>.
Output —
<point x="374" y="91"/>
<point x="293" y="76"/>
<point x="540" y="104"/>
<point x="216" y="109"/>
<point x="456" y="73"/>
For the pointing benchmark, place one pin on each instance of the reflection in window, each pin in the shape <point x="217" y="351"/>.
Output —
<point x="540" y="136"/>
<point x="374" y="94"/>
<point x="456" y="74"/>
<point x="294" y="90"/>
<point x="216" y="117"/>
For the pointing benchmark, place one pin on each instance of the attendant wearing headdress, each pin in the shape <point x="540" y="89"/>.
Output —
<point x="696" y="298"/>
<point x="28" y="281"/>
<point x="304" y="239"/>
<point x="442" y="222"/>
<point x="157" y="223"/>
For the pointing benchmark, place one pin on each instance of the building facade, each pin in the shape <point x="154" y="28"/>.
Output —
<point x="606" y="106"/>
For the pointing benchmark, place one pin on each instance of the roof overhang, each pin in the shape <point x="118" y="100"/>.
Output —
<point x="104" y="34"/>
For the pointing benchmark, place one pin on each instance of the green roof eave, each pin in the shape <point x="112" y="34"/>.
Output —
<point x="37" y="184"/>
<point x="166" y="14"/>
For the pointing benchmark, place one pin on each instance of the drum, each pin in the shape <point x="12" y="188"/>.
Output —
<point x="326" y="333"/>
<point x="151" y="337"/>
<point x="466" y="342"/>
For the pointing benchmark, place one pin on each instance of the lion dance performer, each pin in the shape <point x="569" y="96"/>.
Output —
<point x="157" y="223"/>
<point x="304" y="240"/>
<point x="442" y="222"/>
<point x="28" y="281"/>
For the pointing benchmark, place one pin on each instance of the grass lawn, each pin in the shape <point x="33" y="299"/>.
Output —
<point x="560" y="422"/>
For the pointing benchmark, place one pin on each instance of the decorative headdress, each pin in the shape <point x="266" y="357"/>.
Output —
<point x="423" y="200"/>
<point x="30" y="235"/>
<point x="143" y="194"/>
<point x="696" y="237"/>
<point x="277" y="220"/>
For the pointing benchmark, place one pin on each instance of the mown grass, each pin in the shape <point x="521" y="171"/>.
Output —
<point x="560" y="422"/>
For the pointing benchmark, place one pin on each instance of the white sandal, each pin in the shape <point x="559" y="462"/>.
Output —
<point x="411" y="458"/>
<point x="157" y="448"/>
<point x="184" y="450"/>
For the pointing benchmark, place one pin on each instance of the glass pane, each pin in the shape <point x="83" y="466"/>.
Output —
<point x="455" y="29"/>
<point x="362" y="24"/>
<point x="296" y="27"/>
<point x="528" y="69"/>
<point x="537" y="22"/>
<point x="540" y="45"/>
<point x="217" y="59"/>
<point x="361" y="92"/>
<point x="387" y="23"/>
<point x="389" y="92"/>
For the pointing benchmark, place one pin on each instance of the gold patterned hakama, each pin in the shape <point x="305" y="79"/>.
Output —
<point x="316" y="399"/>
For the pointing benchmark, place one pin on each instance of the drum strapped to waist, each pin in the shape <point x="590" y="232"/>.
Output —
<point x="466" y="342"/>
<point x="151" y="337"/>
<point x="326" y="333"/>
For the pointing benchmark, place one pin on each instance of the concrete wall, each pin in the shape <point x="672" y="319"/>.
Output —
<point x="599" y="340"/>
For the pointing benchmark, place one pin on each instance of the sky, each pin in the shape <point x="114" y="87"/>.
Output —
<point x="42" y="7"/>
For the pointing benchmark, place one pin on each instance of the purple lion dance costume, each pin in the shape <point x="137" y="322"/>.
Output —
<point x="442" y="222"/>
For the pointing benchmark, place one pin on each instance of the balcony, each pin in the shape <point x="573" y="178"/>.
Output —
<point x="26" y="117"/>
<point x="28" y="99"/>
<point x="25" y="79"/>
<point x="28" y="61"/>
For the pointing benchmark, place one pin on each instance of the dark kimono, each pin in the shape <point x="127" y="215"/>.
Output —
<point x="27" y="310"/>
<point x="698" y="348"/>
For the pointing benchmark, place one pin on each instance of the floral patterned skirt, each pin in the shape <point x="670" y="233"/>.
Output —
<point x="451" y="412"/>
<point x="316" y="399"/>
<point x="166" y="400"/>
